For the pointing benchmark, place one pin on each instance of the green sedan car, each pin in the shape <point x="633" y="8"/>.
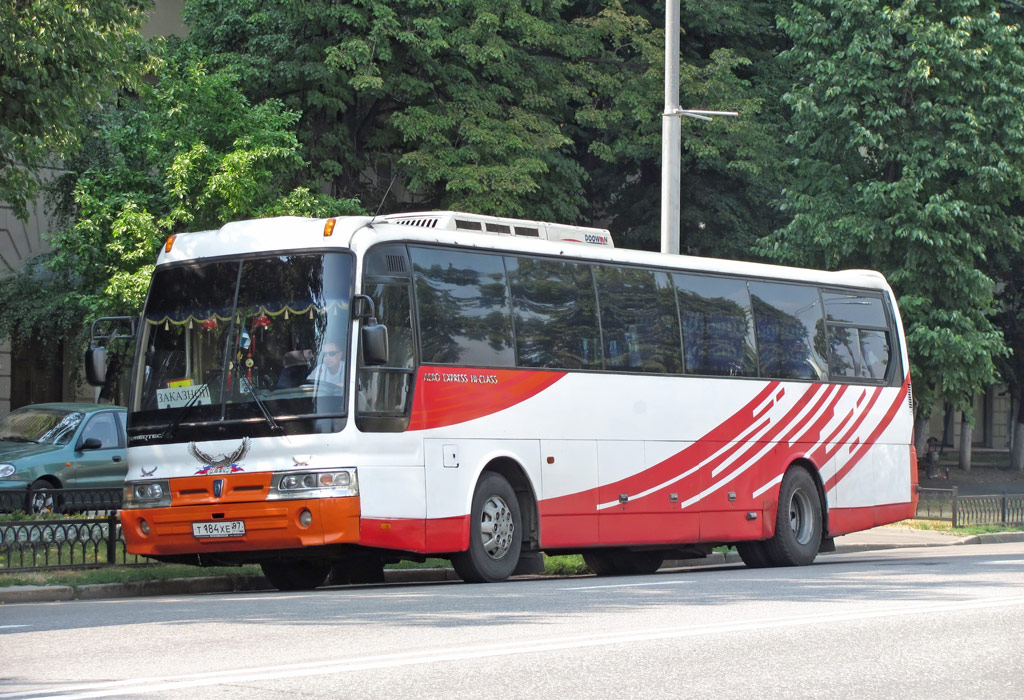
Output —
<point x="59" y="445"/>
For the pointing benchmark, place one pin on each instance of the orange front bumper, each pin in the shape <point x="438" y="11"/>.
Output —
<point x="268" y="525"/>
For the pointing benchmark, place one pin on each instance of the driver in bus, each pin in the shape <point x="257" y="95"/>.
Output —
<point x="329" y="368"/>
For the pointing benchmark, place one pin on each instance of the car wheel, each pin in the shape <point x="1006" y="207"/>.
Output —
<point x="41" y="498"/>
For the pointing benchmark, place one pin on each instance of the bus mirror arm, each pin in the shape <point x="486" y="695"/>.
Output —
<point x="96" y="355"/>
<point x="374" y="336"/>
<point x="364" y="309"/>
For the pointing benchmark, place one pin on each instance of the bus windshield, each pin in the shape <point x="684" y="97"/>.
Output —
<point x="252" y="341"/>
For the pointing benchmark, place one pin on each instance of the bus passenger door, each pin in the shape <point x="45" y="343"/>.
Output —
<point x="568" y="508"/>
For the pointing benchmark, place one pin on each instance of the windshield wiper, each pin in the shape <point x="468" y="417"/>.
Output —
<point x="261" y="404"/>
<point x="17" y="439"/>
<point x="192" y="401"/>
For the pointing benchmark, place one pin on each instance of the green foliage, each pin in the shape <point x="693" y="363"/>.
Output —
<point x="908" y="152"/>
<point x="58" y="61"/>
<point x="188" y="152"/>
<point x="565" y="565"/>
<point x="541" y="110"/>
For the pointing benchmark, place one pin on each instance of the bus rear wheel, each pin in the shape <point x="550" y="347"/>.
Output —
<point x="798" y="524"/>
<point x="296" y="575"/>
<point x="495" y="533"/>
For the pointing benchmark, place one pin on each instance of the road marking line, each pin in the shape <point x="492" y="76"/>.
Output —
<point x="623" y="585"/>
<point x="10" y="627"/>
<point x="136" y="686"/>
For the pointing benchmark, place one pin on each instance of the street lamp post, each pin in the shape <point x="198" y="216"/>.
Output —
<point x="670" y="132"/>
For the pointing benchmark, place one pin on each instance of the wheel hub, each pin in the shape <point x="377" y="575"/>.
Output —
<point x="496" y="527"/>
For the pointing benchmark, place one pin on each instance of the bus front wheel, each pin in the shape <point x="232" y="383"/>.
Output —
<point x="296" y="575"/>
<point x="798" y="525"/>
<point x="495" y="533"/>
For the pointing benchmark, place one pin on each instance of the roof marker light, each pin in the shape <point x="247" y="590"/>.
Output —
<point x="329" y="227"/>
<point x="170" y="243"/>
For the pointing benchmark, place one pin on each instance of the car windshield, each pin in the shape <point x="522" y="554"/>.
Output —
<point x="260" y="340"/>
<point x="47" y="426"/>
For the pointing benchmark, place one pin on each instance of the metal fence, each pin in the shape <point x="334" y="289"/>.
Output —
<point x="37" y="501"/>
<point x="963" y="511"/>
<point x="69" y="528"/>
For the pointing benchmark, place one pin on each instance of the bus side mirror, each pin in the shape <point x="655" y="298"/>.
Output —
<point x="374" y="338"/>
<point x="375" y="343"/>
<point x="96" y="366"/>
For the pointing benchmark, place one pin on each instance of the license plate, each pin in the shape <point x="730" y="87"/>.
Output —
<point x="219" y="528"/>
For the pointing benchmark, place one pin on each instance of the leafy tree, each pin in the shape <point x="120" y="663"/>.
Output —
<point x="58" y="61"/>
<point x="1006" y="266"/>
<point x="186" y="152"/>
<point x="544" y="110"/>
<point x="907" y="156"/>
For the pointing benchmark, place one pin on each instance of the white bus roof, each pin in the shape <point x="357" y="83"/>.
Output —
<point x="456" y="228"/>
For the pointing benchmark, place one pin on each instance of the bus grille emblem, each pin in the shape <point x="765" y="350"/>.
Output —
<point x="218" y="488"/>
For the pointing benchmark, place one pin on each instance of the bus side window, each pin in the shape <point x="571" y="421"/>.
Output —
<point x="859" y="339"/>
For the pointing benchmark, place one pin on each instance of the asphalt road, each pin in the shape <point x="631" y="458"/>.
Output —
<point x="908" y="623"/>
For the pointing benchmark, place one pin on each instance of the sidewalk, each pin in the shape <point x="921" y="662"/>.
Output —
<point x="869" y="540"/>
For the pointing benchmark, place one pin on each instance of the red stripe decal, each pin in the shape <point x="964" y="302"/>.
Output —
<point x="886" y="421"/>
<point x="446" y="396"/>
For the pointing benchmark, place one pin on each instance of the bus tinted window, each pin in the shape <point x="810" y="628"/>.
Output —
<point x="858" y="353"/>
<point x="718" y="337"/>
<point x="464" y="313"/>
<point x="858" y="336"/>
<point x="639" y="324"/>
<point x="555" y="314"/>
<point x="855" y="309"/>
<point x="790" y="330"/>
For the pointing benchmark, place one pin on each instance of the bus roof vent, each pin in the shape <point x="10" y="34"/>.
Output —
<point x="415" y="220"/>
<point x="460" y="221"/>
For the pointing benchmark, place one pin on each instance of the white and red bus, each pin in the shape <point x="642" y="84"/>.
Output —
<point x="336" y="394"/>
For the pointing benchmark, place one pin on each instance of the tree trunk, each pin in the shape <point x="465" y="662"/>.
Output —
<point x="966" y="436"/>
<point x="1017" y="451"/>
<point x="921" y="434"/>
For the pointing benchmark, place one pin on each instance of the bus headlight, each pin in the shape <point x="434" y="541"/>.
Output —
<point x="328" y="483"/>
<point x="146" y="494"/>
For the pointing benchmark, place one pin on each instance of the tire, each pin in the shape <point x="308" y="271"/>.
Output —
<point x="602" y="562"/>
<point x="640" y="563"/>
<point x="42" y="499"/>
<point x="495" y="533"/>
<point x="798" y="523"/>
<point x="611" y="562"/>
<point x="753" y="554"/>
<point x="296" y="575"/>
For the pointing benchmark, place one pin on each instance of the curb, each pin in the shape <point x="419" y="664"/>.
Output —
<point x="230" y="584"/>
